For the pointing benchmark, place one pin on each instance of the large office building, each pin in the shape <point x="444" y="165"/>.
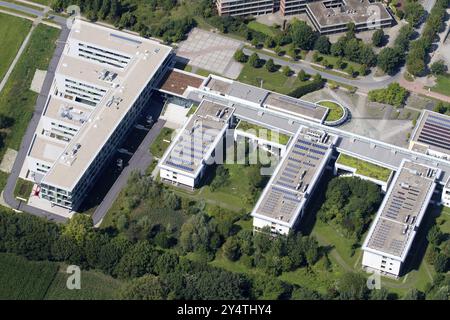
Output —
<point x="399" y="217"/>
<point x="245" y="7"/>
<point x="102" y="82"/>
<point x="282" y="203"/>
<point x="332" y="16"/>
<point x="327" y="16"/>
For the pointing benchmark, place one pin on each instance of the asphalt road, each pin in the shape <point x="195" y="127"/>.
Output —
<point x="21" y="8"/>
<point x="8" y="193"/>
<point x="140" y="160"/>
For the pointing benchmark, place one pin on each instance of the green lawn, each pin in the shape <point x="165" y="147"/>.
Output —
<point x="13" y="31"/>
<point x="335" y="112"/>
<point x="192" y="110"/>
<point x="263" y="28"/>
<point x="44" y="2"/>
<point x="94" y="285"/>
<point x="16" y="99"/>
<point x="261" y="131"/>
<point x="23" y="279"/>
<point x="274" y="81"/>
<point x="159" y="146"/>
<point x="3" y="179"/>
<point x="332" y="61"/>
<point x="442" y="84"/>
<point x="23" y="188"/>
<point x="365" y="168"/>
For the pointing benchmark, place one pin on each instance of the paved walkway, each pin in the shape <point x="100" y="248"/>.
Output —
<point x="418" y="87"/>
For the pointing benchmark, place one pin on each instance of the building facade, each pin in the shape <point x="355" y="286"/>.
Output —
<point x="327" y="16"/>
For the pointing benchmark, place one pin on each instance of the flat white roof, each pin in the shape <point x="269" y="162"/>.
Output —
<point x="146" y="58"/>
<point x="197" y="139"/>
<point x="402" y="210"/>
<point x="295" y="177"/>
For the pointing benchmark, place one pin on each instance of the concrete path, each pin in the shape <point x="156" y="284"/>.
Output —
<point x="418" y="87"/>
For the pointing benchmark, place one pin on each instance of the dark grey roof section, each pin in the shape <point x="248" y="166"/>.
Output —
<point x="432" y="132"/>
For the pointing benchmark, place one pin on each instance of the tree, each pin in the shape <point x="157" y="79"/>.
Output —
<point x="278" y="50"/>
<point x="415" y="66"/>
<point x="414" y="294"/>
<point x="240" y="56"/>
<point x="394" y="95"/>
<point x="196" y="234"/>
<point x="5" y="121"/>
<point x="254" y="60"/>
<point x="351" y="71"/>
<point x="221" y="179"/>
<point x="269" y="42"/>
<point x="79" y="228"/>
<point x="269" y="288"/>
<point x="351" y="30"/>
<point x="302" y="35"/>
<point x="403" y="38"/>
<point x="340" y="64"/>
<point x="434" y="235"/>
<point x="231" y="249"/>
<point x="441" y="263"/>
<point x="255" y="42"/>
<point x="441" y="107"/>
<point x="147" y="287"/>
<point x="350" y="202"/>
<point x="322" y="44"/>
<point x="438" y="67"/>
<point x="302" y="76"/>
<point x="380" y="294"/>
<point x="270" y="65"/>
<point x="378" y="38"/>
<point x="352" y="286"/>
<point x="389" y="60"/>
<point x="286" y="71"/>
<point x="302" y="293"/>
<point x="292" y="51"/>
<point x="414" y="12"/>
<point x="138" y="261"/>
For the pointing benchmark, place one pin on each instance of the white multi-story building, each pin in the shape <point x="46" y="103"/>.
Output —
<point x="392" y="233"/>
<point x="186" y="160"/>
<point x="102" y="82"/>
<point x="282" y="203"/>
<point x="327" y="16"/>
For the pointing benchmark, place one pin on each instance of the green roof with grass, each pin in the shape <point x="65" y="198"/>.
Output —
<point x="256" y="130"/>
<point x="336" y="111"/>
<point x="365" y="168"/>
